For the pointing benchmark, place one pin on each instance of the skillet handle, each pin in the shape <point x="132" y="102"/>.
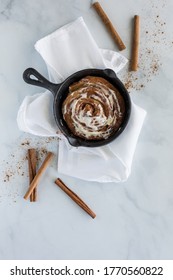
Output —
<point x="39" y="80"/>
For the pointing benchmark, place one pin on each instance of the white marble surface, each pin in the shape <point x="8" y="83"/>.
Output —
<point x="134" y="219"/>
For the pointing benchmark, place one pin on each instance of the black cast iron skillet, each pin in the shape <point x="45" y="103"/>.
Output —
<point x="60" y="91"/>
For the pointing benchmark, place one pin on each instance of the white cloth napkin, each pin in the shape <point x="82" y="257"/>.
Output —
<point x="65" y="51"/>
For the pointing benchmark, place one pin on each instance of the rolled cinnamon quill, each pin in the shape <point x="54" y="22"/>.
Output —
<point x="40" y="172"/>
<point x="109" y="26"/>
<point x="75" y="197"/>
<point x="32" y="160"/>
<point x="135" y="46"/>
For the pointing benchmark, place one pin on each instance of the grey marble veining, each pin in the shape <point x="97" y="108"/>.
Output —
<point x="134" y="219"/>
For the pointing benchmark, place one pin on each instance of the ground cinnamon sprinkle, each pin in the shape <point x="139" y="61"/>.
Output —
<point x="14" y="170"/>
<point x="17" y="165"/>
<point x="25" y="143"/>
<point x="42" y="153"/>
<point x="132" y="82"/>
<point x="151" y="44"/>
<point x="128" y="83"/>
<point x="8" y="175"/>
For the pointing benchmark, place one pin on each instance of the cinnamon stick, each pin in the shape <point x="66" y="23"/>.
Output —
<point x="75" y="197"/>
<point x="40" y="172"/>
<point x="109" y="26"/>
<point x="32" y="160"/>
<point x="135" y="46"/>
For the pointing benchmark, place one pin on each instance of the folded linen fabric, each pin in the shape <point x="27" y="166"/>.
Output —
<point x="65" y="51"/>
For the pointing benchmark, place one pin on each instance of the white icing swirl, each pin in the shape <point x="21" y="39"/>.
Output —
<point x="93" y="108"/>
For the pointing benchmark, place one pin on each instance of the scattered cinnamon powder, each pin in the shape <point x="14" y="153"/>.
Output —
<point x="25" y="143"/>
<point x="8" y="175"/>
<point x="153" y="40"/>
<point x="14" y="171"/>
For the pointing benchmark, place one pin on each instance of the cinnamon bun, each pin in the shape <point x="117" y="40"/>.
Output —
<point x="93" y="109"/>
